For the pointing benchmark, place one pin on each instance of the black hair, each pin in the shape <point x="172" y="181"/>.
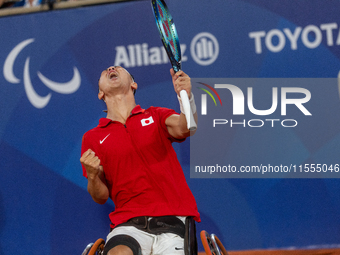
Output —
<point x="133" y="79"/>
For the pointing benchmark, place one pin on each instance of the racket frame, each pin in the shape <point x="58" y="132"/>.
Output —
<point x="174" y="55"/>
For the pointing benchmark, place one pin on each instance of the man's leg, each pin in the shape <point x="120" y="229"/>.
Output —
<point x="128" y="240"/>
<point x="120" y="250"/>
<point x="168" y="244"/>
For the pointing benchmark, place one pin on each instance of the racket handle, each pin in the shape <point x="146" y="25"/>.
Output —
<point x="191" y="124"/>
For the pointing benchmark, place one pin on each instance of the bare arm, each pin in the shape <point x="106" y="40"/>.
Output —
<point x="177" y="125"/>
<point x="96" y="185"/>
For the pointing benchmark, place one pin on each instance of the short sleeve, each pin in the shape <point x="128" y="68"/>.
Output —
<point x="163" y="114"/>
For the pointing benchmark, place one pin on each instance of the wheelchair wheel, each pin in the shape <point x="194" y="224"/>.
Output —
<point x="212" y="245"/>
<point x="95" y="249"/>
<point x="218" y="244"/>
<point x="88" y="247"/>
<point x="207" y="243"/>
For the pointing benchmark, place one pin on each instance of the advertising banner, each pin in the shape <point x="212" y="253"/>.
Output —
<point x="263" y="165"/>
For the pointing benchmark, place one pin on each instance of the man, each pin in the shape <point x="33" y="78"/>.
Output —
<point x="129" y="157"/>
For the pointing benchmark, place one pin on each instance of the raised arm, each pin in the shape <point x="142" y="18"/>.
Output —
<point x="96" y="184"/>
<point x="177" y="124"/>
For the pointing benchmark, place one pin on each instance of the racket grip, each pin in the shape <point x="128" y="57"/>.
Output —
<point x="191" y="124"/>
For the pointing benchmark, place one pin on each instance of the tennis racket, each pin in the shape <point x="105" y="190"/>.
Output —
<point x="169" y="37"/>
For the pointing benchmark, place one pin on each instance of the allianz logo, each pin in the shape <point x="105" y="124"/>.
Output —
<point x="204" y="50"/>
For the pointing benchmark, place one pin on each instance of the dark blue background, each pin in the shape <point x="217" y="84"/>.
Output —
<point x="44" y="205"/>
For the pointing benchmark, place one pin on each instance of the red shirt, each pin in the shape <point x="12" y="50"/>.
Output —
<point x="141" y="167"/>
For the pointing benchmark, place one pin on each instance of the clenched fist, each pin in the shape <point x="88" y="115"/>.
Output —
<point x="91" y="163"/>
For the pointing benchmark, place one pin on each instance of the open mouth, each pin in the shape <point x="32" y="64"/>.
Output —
<point x="113" y="75"/>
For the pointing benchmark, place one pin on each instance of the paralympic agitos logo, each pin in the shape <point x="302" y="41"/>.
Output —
<point x="38" y="101"/>
<point x="286" y="97"/>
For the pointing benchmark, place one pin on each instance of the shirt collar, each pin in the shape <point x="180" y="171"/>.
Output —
<point x="103" y="122"/>
<point x="137" y="109"/>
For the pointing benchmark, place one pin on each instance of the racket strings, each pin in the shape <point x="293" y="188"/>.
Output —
<point x="167" y="31"/>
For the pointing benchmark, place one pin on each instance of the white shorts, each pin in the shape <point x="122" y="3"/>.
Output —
<point x="166" y="243"/>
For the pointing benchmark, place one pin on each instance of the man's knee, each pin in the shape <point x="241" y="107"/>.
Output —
<point x="122" y="245"/>
<point x="120" y="250"/>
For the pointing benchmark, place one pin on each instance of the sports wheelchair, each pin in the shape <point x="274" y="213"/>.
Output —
<point x="211" y="244"/>
<point x="96" y="248"/>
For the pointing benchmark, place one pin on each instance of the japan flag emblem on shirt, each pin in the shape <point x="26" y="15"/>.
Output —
<point x="147" y="121"/>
